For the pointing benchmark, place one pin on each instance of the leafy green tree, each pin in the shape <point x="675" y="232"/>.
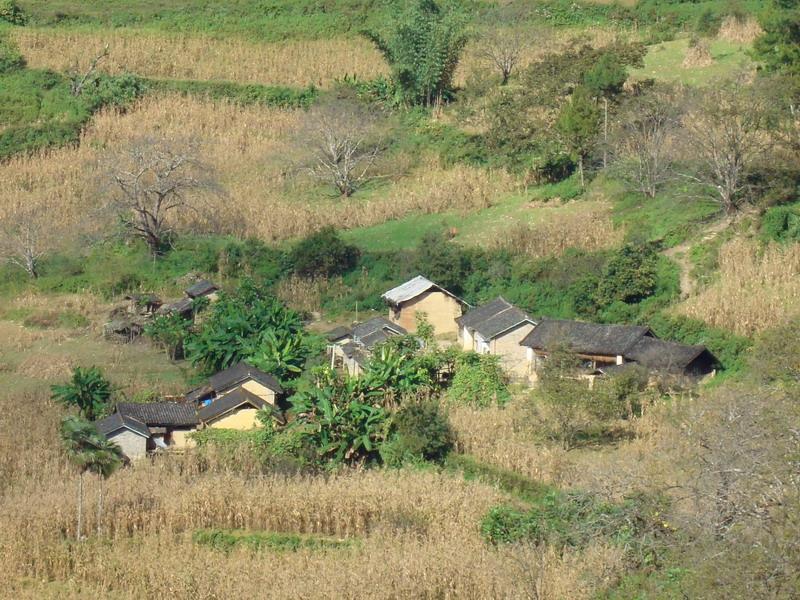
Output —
<point x="88" y="390"/>
<point x="778" y="48"/>
<point x="630" y="275"/>
<point x="579" y="124"/>
<point x="423" y="49"/>
<point x="169" y="331"/>
<point x="442" y="261"/>
<point x="89" y="451"/>
<point x="606" y="78"/>
<point x="479" y="381"/>
<point x="323" y="254"/>
<point x="419" y="431"/>
<point x="249" y="324"/>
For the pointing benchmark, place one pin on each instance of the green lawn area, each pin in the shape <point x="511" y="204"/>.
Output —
<point x="473" y="229"/>
<point x="664" y="62"/>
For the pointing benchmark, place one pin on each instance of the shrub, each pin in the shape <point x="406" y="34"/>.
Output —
<point x="10" y="57"/>
<point x="420" y="432"/>
<point x="479" y="381"/>
<point x="169" y="331"/>
<point x="781" y="224"/>
<point x="10" y="12"/>
<point x="442" y="261"/>
<point x="323" y="254"/>
<point x="630" y="276"/>
<point x="119" y="91"/>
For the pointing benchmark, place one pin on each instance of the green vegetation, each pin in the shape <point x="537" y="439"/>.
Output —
<point x="323" y="254"/>
<point x="227" y="540"/>
<point x="479" y="381"/>
<point x="88" y="391"/>
<point x="244" y="94"/>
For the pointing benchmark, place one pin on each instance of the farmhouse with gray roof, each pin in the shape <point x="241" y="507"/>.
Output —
<point x="497" y="327"/>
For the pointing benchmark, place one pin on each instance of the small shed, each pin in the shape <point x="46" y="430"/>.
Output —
<point x="672" y="358"/>
<point x="202" y="288"/>
<point x="421" y="295"/>
<point x="131" y="435"/>
<point x="169" y="422"/>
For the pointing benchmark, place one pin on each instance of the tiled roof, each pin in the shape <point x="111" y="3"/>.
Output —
<point x="375" y="331"/>
<point x="413" y="288"/>
<point x="119" y="421"/>
<point x="585" y="338"/>
<point x="182" y="307"/>
<point x="232" y="376"/>
<point x="494" y="318"/>
<point x="160" y="414"/>
<point x="233" y="399"/>
<point x="201" y="288"/>
<point x="338" y="333"/>
<point x="664" y="356"/>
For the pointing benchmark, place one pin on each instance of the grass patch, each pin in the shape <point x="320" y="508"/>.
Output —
<point x="664" y="62"/>
<point x="227" y="540"/>
<point x="509" y="481"/>
<point x="244" y="94"/>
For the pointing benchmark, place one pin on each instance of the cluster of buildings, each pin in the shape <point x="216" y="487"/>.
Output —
<point x="520" y="341"/>
<point x="232" y="398"/>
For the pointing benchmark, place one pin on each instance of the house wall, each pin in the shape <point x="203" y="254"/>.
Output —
<point x="242" y="419"/>
<point x="513" y="357"/>
<point x="262" y="391"/>
<point x="467" y="341"/>
<point x="181" y="440"/>
<point x="133" y="445"/>
<point x="441" y="310"/>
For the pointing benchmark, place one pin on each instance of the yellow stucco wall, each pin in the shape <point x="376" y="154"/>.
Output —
<point x="263" y="392"/>
<point x="440" y="309"/>
<point x="513" y="357"/>
<point x="244" y="418"/>
<point x="180" y="439"/>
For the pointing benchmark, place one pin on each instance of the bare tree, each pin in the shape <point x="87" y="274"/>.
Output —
<point x="151" y="180"/>
<point x="726" y="133"/>
<point x="503" y="50"/>
<point x="344" y="144"/>
<point x="645" y="146"/>
<point x="78" y="79"/>
<point x="26" y="235"/>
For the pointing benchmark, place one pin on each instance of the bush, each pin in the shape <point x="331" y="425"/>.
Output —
<point x="630" y="276"/>
<point x="10" y="12"/>
<point x="443" y="262"/>
<point x="420" y="432"/>
<point x="119" y="91"/>
<point x="323" y="254"/>
<point x="479" y="381"/>
<point x="781" y="224"/>
<point x="10" y="57"/>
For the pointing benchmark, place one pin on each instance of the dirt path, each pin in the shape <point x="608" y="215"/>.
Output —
<point x="680" y="254"/>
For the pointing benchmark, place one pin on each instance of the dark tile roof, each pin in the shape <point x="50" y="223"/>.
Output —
<point x="233" y="399"/>
<point x="232" y="376"/>
<point x="494" y="318"/>
<point x="585" y="338"/>
<point x="665" y="356"/>
<point x="198" y="394"/>
<point x="355" y="352"/>
<point x="119" y="421"/>
<point x="338" y="333"/>
<point x="182" y="307"/>
<point x="376" y="324"/>
<point x="160" y="414"/>
<point x="201" y="288"/>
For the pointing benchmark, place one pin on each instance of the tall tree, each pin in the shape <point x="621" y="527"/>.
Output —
<point x="153" y="179"/>
<point x="89" y="451"/>
<point x="503" y="51"/>
<point x="423" y="49"/>
<point x="727" y="132"/>
<point x="578" y="124"/>
<point x="27" y="234"/>
<point x="778" y="48"/>
<point x="88" y="390"/>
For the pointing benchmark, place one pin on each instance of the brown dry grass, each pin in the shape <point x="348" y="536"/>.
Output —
<point x="739" y="31"/>
<point x="591" y="229"/>
<point x="758" y="288"/>
<point x="248" y="148"/>
<point x="150" y="54"/>
<point x="296" y="63"/>
<point x="698" y="55"/>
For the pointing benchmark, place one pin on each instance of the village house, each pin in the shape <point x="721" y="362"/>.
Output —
<point x="350" y="348"/>
<point x="237" y="409"/>
<point x="240" y="375"/>
<point x="602" y="348"/>
<point x="131" y="435"/>
<point x="420" y="295"/>
<point x="497" y="328"/>
<point x="169" y="423"/>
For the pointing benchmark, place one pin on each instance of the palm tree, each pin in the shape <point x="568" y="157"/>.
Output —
<point x="88" y="389"/>
<point x="88" y="450"/>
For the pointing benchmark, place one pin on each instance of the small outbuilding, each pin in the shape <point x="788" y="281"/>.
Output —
<point x="672" y="358"/>
<point x="131" y="435"/>
<point x="351" y="351"/>
<point x="169" y="422"/>
<point x="420" y="295"/>
<point x="202" y="288"/>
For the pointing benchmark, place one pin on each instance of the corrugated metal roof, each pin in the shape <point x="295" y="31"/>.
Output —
<point x="413" y="288"/>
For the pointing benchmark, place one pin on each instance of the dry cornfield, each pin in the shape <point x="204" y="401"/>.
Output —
<point x="758" y="288"/>
<point x="589" y="229"/>
<point x="248" y="147"/>
<point x="292" y="63"/>
<point x="738" y="30"/>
